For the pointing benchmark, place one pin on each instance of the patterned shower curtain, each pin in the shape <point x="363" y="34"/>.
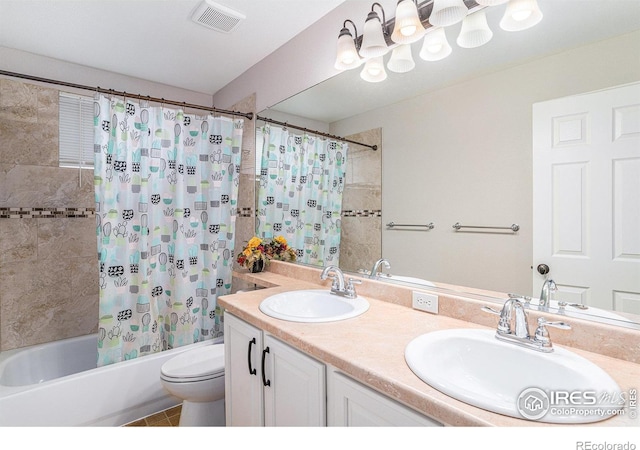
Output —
<point x="300" y="196"/>
<point x="166" y="186"/>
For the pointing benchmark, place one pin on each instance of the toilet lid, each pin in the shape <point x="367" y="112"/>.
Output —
<point x="196" y="363"/>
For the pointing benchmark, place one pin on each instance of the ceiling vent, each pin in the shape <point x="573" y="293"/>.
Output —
<point x="218" y="17"/>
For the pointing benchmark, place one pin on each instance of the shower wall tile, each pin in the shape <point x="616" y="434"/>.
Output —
<point x="38" y="186"/>
<point x="246" y="195"/>
<point x="360" y="245"/>
<point x="67" y="238"/>
<point x="248" y="164"/>
<point x="18" y="101"/>
<point x="48" y="266"/>
<point x="361" y="234"/>
<point x="362" y="197"/>
<point x="28" y="143"/>
<point x="18" y="240"/>
<point x="245" y="221"/>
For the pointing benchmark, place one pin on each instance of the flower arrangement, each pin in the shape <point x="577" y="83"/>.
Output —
<point x="258" y="252"/>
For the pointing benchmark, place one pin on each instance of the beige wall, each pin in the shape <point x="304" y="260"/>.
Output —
<point x="360" y="243"/>
<point x="463" y="154"/>
<point x="48" y="265"/>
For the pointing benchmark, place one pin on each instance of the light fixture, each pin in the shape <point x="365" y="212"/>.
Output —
<point x="491" y="2"/>
<point x="373" y="41"/>
<point x="408" y="27"/>
<point x="401" y="59"/>
<point x="435" y="46"/>
<point x="475" y="31"/>
<point x="347" y="55"/>
<point x="447" y="12"/>
<point x="520" y="15"/>
<point x="373" y="70"/>
<point x="426" y="20"/>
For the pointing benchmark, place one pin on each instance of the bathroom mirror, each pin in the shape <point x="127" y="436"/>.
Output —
<point x="488" y="191"/>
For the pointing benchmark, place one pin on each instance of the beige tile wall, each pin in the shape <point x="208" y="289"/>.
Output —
<point x="48" y="266"/>
<point x="360" y="243"/>
<point x="245" y="221"/>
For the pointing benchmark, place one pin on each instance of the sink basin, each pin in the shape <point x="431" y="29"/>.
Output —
<point x="313" y="306"/>
<point x="474" y="367"/>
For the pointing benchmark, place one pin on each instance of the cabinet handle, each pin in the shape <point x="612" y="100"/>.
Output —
<point x="252" y="371"/>
<point x="264" y="378"/>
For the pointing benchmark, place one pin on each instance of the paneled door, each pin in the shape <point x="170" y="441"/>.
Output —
<point x="586" y="197"/>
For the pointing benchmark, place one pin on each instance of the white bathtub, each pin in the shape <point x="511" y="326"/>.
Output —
<point x="58" y="384"/>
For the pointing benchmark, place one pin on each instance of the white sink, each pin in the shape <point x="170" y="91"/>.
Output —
<point x="313" y="306"/>
<point x="474" y="367"/>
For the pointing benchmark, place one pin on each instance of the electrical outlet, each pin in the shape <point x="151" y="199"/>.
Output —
<point x="425" y="302"/>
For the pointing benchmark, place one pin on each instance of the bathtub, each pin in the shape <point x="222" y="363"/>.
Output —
<point x="58" y="384"/>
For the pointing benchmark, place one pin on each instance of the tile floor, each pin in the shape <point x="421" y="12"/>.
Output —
<point x="167" y="418"/>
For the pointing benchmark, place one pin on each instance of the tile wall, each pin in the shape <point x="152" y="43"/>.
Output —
<point x="48" y="267"/>
<point x="360" y="243"/>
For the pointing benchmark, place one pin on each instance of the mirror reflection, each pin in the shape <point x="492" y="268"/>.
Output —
<point x="457" y="146"/>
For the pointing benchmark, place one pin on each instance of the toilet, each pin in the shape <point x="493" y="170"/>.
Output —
<point x="197" y="377"/>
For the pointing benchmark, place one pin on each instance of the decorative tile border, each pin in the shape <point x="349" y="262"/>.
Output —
<point x="362" y="213"/>
<point x="246" y="212"/>
<point x="45" y="213"/>
<point x="250" y="212"/>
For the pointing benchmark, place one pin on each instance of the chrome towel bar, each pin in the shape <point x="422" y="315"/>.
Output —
<point x="429" y="226"/>
<point x="514" y="227"/>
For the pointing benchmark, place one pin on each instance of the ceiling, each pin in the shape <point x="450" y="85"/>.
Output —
<point x="566" y="24"/>
<point x="156" y="40"/>
<point x="106" y="34"/>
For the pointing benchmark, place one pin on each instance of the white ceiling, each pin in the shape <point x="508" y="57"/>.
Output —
<point x="107" y="34"/>
<point x="156" y="40"/>
<point x="566" y="24"/>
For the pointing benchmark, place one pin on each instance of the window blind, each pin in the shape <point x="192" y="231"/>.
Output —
<point x="75" y="130"/>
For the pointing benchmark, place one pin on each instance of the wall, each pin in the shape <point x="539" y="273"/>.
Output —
<point x="48" y="264"/>
<point x="360" y="242"/>
<point x="463" y="154"/>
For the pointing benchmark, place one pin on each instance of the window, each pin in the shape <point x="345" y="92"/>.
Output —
<point x="76" y="130"/>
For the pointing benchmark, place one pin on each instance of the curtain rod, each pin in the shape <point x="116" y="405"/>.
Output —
<point x="126" y="94"/>
<point x="319" y="133"/>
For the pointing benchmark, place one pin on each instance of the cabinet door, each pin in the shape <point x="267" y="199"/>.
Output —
<point x="351" y="404"/>
<point x="243" y="384"/>
<point x="296" y="390"/>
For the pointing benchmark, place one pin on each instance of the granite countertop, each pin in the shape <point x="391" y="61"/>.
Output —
<point x="370" y="349"/>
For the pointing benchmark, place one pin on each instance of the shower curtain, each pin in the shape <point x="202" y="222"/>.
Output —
<point x="166" y="186"/>
<point x="302" y="178"/>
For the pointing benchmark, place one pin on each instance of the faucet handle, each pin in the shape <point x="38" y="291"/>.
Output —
<point x="542" y="334"/>
<point x="503" y="324"/>
<point x="351" y="289"/>
<point x="544" y="322"/>
<point x="490" y="310"/>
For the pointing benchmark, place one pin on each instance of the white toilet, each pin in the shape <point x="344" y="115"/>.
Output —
<point x="197" y="377"/>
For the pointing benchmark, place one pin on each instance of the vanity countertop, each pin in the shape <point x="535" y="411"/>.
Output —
<point x="370" y="348"/>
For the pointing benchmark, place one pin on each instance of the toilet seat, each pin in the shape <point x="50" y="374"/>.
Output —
<point x="195" y="365"/>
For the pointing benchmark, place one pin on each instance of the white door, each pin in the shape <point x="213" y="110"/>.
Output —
<point x="586" y="190"/>
<point x="351" y="404"/>
<point x="295" y="394"/>
<point x="243" y="383"/>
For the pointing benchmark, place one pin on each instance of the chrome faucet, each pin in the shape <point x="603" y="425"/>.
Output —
<point x="338" y="286"/>
<point x="514" y="327"/>
<point x="376" y="267"/>
<point x="548" y="288"/>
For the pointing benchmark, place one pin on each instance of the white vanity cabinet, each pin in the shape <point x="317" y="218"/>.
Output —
<point x="269" y="383"/>
<point x="351" y="404"/>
